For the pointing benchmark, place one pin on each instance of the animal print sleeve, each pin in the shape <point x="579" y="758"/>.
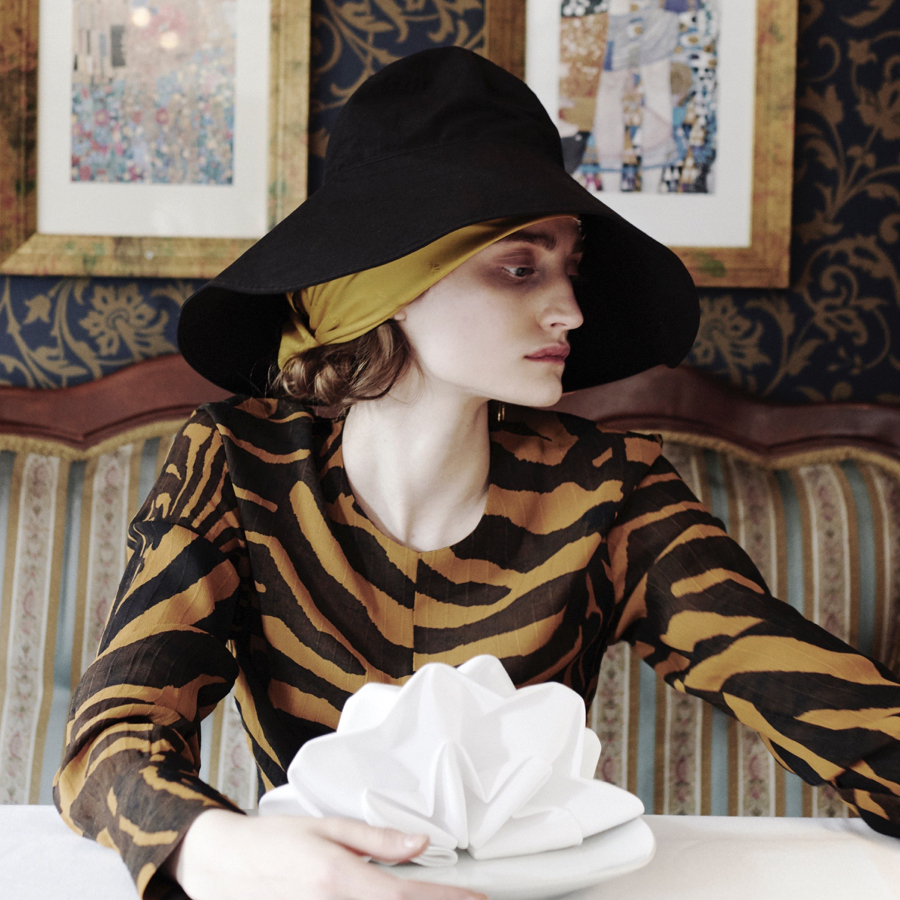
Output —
<point x="697" y="610"/>
<point x="129" y="777"/>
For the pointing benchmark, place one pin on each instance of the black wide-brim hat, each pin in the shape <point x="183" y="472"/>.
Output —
<point x="431" y="143"/>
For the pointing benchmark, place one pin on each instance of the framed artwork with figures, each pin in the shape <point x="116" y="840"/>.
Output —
<point x="677" y="113"/>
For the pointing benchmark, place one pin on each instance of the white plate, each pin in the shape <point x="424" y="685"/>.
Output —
<point x="543" y="875"/>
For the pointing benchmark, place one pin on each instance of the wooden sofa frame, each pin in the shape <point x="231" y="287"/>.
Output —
<point x="146" y="402"/>
<point x="159" y="389"/>
<point x="685" y="401"/>
<point x="679" y="401"/>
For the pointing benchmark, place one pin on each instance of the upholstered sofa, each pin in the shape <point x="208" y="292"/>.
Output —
<point x="812" y="492"/>
<point x="75" y="465"/>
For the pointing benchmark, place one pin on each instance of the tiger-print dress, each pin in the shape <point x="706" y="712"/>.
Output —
<point x="252" y="564"/>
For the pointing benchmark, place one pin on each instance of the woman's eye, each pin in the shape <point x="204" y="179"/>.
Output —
<point x="519" y="271"/>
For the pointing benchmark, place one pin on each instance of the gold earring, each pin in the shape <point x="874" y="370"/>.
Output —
<point x="501" y="411"/>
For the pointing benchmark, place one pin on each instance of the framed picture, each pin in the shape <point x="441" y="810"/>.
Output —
<point x="149" y="140"/>
<point x="678" y="114"/>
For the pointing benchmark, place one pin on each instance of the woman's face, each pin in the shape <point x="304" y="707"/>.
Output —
<point x="496" y="326"/>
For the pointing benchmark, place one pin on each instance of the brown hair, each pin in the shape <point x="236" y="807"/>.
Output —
<point x="337" y="375"/>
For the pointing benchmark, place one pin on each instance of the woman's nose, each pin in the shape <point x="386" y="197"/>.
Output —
<point x="562" y="309"/>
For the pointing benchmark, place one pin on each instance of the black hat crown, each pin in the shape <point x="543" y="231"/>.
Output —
<point x="431" y="143"/>
<point x="436" y="98"/>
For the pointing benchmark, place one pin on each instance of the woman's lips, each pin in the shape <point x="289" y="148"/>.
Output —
<point x="557" y="353"/>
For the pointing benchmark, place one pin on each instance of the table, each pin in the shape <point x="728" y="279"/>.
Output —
<point x="724" y="858"/>
<point x="697" y="858"/>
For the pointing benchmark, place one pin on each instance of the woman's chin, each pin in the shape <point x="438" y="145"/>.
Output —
<point x="537" y="397"/>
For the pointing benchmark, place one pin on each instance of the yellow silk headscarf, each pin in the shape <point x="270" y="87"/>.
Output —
<point x="346" y="308"/>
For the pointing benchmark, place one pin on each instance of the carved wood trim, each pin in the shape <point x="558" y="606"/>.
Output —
<point x="163" y="388"/>
<point x="679" y="401"/>
<point x="685" y="401"/>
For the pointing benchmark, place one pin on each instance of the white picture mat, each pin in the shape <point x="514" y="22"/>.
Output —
<point x="156" y="210"/>
<point x="722" y="219"/>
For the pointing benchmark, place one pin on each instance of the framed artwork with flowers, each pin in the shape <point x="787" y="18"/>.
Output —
<point x="150" y="140"/>
<point x="679" y="114"/>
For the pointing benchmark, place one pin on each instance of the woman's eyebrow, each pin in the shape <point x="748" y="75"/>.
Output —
<point x="544" y="239"/>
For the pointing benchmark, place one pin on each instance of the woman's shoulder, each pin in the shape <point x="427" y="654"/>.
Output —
<point x="242" y="408"/>
<point x="242" y="418"/>
<point x="268" y="428"/>
<point x="557" y="436"/>
<point x="548" y="458"/>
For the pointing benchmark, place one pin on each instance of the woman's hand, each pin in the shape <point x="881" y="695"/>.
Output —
<point x="226" y="855"/>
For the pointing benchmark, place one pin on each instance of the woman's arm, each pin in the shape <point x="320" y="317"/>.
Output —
<point x="129" y="777"/>
<point x="230" y="857"/>
<point x="696" y="609"/>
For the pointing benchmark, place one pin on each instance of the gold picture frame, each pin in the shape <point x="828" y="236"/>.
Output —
<point x="26" y="251"/>
<point x="766" y="262"/>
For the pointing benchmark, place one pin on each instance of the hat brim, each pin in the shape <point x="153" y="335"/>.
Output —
<point x="638" y="300"/>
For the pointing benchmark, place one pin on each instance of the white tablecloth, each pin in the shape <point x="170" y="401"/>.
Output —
<point x="697" y="858"/>
<point x="41" y="859"/>
<point x="722" y="858"/>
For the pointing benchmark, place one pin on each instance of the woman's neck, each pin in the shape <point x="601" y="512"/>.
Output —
<point x="419" y="466"/>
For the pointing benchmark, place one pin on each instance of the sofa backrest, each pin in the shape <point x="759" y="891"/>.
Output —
<point x="75" y="466"/>
<point x="826" y="537"/>
<point x="820" y="516"/>
<point x="812" y="493"/>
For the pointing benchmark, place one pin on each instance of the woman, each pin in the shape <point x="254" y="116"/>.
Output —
<point x="448" y="263"/>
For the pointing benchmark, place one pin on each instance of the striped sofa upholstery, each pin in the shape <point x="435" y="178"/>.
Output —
<point x="823" y="527"/>
<point x="826" y="537"/>
<point x="63" y="519"/>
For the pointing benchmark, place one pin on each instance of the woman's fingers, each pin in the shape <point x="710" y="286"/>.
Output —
<point x="368" y="882"/>
<point x="365" y="881"/>
<point x="225" y="856"/>
<point x="386" y="844"/>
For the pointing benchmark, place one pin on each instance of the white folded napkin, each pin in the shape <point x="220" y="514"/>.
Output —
<point x="464" y="757"/>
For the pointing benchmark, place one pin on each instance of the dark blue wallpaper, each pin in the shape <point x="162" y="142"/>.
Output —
<point x="829" y="336"/>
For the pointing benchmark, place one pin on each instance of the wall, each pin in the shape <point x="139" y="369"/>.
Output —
<point x="835" y="334"/>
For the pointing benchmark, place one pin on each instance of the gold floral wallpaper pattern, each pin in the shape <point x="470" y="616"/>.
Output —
<point x="56" y="332"/>
<point x="351" y="40"/>
<point x="833" y="335"/>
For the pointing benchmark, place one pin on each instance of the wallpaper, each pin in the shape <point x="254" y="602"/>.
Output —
<point x="833" y="335"/>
